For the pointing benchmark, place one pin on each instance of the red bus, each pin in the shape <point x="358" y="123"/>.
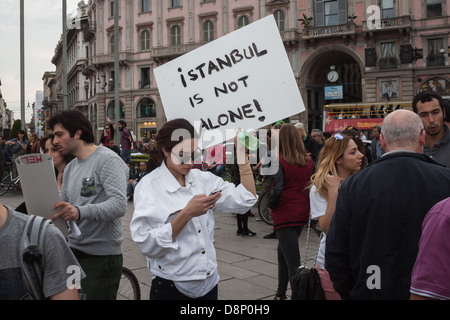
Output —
<point x="363" y="116"/>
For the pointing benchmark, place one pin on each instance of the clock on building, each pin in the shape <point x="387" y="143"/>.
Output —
<point x="333" y="76"/>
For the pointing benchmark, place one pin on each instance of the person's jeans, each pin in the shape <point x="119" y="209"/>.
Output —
<point x="288" y="256"/>
<point x="126" y="155"/>
<point x="130" y="188"/>
<point x="219" y="169"/>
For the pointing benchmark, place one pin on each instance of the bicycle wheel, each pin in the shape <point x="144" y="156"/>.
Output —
<point x="129" y="286"/>
<point x="4" y="184"/>
<point x="263" y="208"/>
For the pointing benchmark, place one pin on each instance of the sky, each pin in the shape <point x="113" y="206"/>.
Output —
<point x="42" y="31"/>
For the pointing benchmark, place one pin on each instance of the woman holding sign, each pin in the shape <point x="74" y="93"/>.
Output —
<point x="173" y="222"/>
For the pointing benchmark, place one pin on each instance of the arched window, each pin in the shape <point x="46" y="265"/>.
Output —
<point x="145" y="40"/>
<point x="175" y="35"/>
<point x="146" y="108"/>
<point x="279" y="18"/>
<point x="208" y="31"/>
<point x="111" y="110"/>
<point x="243" y="21"/>
<point x="436" y="84"/>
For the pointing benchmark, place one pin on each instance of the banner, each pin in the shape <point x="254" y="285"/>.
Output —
<point x="241" y="80"/>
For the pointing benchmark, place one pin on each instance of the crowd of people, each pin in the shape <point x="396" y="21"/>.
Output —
<point x="383" y="211"/>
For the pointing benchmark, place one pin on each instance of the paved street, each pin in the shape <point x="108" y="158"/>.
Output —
<point x="247" y="265"/>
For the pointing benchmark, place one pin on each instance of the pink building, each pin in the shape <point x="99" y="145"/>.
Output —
<point x="384" y="51"/>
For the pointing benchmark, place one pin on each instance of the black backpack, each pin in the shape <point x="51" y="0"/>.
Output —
<point x="32" y="257"/>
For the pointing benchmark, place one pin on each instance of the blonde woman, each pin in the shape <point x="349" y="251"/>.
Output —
<point x="338" y="160"/>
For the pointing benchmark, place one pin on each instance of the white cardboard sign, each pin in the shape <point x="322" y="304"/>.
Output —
<point x="241" y="80"/>
<point x="38" y="182"/>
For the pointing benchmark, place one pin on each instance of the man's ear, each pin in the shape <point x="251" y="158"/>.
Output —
<point x="383" y="142"/>
<point x="78" y="133"/>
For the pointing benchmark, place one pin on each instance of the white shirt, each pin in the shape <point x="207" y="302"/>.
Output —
<point x="318" y="206"/>
<point x="158" y="198"/>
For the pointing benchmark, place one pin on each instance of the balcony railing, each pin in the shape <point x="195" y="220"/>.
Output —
<point x="341" y="30"/>
<point x="387" y="63"/>
<point x="124" y="57"/>
<point x="434" y="60"/>
<point x="389" y="24"/>
<point x="173" y="51"/>
<point x="89" y="31"/>
<point x="290" y="36"/>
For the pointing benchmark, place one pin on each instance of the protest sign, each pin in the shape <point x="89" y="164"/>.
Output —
<point x="241" y="80"/>
<point x="38" y="182"/>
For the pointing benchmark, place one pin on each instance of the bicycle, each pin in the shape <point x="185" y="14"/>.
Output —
<point x="263" y="208"/>
<point x="129" y="288"/>
<point x="8" y="182"/>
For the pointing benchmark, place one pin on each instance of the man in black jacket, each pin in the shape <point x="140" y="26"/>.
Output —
<point x="373" y="238"/>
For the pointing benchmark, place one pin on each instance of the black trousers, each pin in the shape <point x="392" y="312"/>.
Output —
<point x="163" y="289"/>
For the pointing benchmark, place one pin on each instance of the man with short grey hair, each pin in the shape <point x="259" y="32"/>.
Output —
<point x="317" y="135"/>
<point x="372" y="242"/>
<point x="308" y="142"/>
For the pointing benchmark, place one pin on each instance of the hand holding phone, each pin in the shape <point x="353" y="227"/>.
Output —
<point x="215" y="191"/>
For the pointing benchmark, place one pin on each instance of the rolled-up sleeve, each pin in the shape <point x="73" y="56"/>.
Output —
<point x="235" y="199"/>
<point x="151" y="232"/>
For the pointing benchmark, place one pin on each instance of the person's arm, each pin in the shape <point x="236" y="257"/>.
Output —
<point x="245" y="170"/>
<point x="68" y="294"/>
<point x="332" y="186"/>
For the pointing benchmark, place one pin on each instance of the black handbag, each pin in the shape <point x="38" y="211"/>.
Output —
<point x="306" y="281"/>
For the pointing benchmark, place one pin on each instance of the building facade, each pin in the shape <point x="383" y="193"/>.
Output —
<point x="378" y="51"/>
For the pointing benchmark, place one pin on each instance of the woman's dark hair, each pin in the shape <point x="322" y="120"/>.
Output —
<point x="165" y="139"/>
<point x="51" y="136"/>
<point x="73" y="120"/>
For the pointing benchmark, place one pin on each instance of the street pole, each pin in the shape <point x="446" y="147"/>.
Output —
<point x="64" y="54"/>
<point x="22" y="67"/>
<point x="116" y="70"/>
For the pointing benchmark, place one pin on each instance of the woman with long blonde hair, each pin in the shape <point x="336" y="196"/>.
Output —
<point x="338" y="160"/>
<point x="289" y="201"/>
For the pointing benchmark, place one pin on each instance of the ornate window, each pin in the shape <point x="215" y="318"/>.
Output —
<point x="280" y="19"/>
<point x="243" y="21"/>
<point x="146" y="108"/>
<point x="388" y="56"/>
<point x="145" y="40"/>
<point x="208" y="31"/>
<point x="436" y="53"/>
<point x="111" y="112"/>
<point x="145" y="6"/>
<point x="174" y="3"/>
<point x="175" y="35"/>
<point x="387" y="9"/>
<point x="434" y="8"/>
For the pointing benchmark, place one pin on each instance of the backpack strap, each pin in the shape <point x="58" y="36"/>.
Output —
<point x="32" y="254"/>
